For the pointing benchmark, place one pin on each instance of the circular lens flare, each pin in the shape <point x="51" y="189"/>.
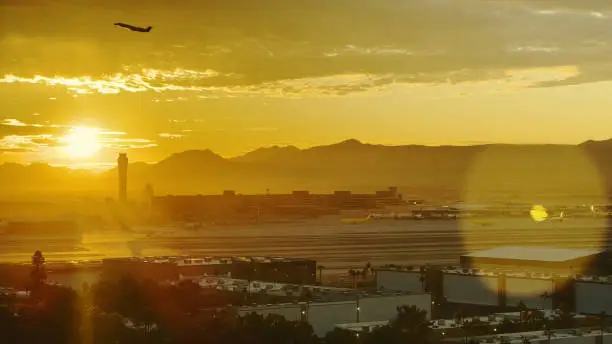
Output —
<point x="538" y="213"/>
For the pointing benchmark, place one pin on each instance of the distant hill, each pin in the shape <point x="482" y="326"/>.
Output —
<point x="453" y="171"/>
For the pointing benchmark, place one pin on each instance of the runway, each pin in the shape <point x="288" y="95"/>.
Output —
<point x="339" y="246"/>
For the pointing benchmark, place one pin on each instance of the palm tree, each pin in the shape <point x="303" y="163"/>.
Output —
<point x="523" y="311"/>
<point x="602" y="323"/>
<point x="545" y="296"/>
<point x="458" y="316"/>
<point x="354" y="273"/>
<point x="565" y="316"/>
<point x="422" y="279"/>
<point x="366" y="269"/>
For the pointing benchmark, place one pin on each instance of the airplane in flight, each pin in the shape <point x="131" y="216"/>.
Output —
<point x="134" y="28"/>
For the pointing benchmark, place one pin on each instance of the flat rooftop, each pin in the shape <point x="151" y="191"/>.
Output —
<point x="508" y="271"/>
<point x="317" y="293"/>
<point x="536" y="336"/>
<point x="206" y="260"/>
<point x="530" y="253"/>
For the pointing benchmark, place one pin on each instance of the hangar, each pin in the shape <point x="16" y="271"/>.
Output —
<point x="530" y="257"/>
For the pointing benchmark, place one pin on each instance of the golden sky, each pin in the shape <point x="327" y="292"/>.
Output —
<point x="235" y="75"/>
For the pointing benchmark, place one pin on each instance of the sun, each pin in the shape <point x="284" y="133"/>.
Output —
<point x="81" y="142"/>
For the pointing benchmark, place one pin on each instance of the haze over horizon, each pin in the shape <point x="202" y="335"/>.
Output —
<point x="270" y="150"/>
<point x="239" y="75"/>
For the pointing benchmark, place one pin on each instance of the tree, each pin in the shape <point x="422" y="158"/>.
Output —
<point x="353" y="273"/>
<point x="410" y="326"/>
<point x="366" y="270"/>
<point x="413" y="322"/>
<point x="523" y="310"/>
<point x="459" y="315"/>
<point x="38" y="274"/>
<point x="602" y="323"/>
<point x="545" y="296"/>
<point x="422" y="279"/>
<point x="340" y="336"/>
<point x="8" y="325"/>
<point x="564" y="317"/>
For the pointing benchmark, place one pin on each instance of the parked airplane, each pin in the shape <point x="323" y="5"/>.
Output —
<point x="356" y="221"/>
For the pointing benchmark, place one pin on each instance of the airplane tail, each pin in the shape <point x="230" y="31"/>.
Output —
<point x="149" y="28"/>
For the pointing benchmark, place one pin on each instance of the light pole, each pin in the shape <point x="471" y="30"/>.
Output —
<point x="357" y="310"/>
<point x="548" y="332"/>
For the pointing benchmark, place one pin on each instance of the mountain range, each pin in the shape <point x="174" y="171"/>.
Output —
<point x="452" y="171"/>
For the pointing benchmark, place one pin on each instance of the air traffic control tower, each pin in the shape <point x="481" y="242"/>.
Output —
<point x="122" y="166"/>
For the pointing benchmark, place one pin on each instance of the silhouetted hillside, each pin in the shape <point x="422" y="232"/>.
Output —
<point x="274" y="153"/>
<point x="461" y="172"/>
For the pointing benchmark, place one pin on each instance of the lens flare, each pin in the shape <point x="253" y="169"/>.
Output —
<point x="81" y="142"/>
<point x="538" y="213"/>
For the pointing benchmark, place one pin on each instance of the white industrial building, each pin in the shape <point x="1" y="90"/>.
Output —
<point x="531" y="258"/>
<point x="323" y="316"/>
<point x="571" y="336"/>
<point x="400" y="279"/>
<point x="478" y="287"/>
<point x="594" y="295"/>
<point x="507" y="283"/>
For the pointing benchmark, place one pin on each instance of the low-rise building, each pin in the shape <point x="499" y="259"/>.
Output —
<point x="536" y="285"/>
<point x="344" y="307"/>
<point x="286" y="270"/>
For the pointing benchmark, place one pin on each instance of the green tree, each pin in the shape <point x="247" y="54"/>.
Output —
<point x="340" y="336"/>
<point x="354" y="274"/>
<point x="545" y="296"/>
<point x="38" y="275"/>
<point x="410" y="326"/>
<point x="564" y="317"/>
<point x="602" y="323"/>
<point x="523" y="311"/>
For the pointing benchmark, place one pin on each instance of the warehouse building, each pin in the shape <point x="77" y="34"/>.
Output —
<point x="283" y="270"/>
<point x="505" y="279"/>
<point x="343" y="308"/>
<point x="537" y="258"/>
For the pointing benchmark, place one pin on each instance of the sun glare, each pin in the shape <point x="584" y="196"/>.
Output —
<point x="81" y="142"/>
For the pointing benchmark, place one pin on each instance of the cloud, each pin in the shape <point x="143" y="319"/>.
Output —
<point x="14" y="127"/>
<point x="262" y="129"/>
<point x="19" y="137"/>
<point x="126" y="143"/>
<point x="14" y="150"/>
<point x="170" y="136"/>
<point x="582" y="5"/>
<point x="584" y="75"/>
<point x="243" y="50"/>
<point x="23" y="144"/>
